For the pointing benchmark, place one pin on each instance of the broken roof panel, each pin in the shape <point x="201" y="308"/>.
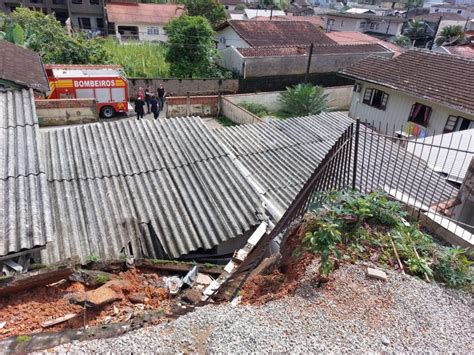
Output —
<point x="168" y="188"/>
<point x="25" y="216"/>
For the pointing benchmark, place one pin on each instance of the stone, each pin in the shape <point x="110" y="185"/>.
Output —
<point x="376" y="274"/>
<point x="203" y="279"/>
<point x="137" y="298"/>
<point x="385" y="341"/>
<point x="98" y="297"/>
<point x="191" y="296"/>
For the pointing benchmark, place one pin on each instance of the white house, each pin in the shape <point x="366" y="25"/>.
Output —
<point x="366" y="23"/>
<point x="420" y="93"/>
<point x="141" y="22"/>
<point x="465" y="10"/>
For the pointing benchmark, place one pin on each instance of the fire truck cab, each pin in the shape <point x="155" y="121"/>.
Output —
<point x="104" y="83"/>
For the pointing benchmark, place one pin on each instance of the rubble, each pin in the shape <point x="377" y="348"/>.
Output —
<point x="376" y="274"/>
<point x="50" y="323"/>
<point x="91" y="278"/>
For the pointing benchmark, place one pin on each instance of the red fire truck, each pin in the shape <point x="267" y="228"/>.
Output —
<point x="105" y="83"/>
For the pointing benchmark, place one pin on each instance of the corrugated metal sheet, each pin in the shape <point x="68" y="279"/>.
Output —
<point x="279" y="156"/>
<point x="25" y="216"/>
<point x="165" y="187"/>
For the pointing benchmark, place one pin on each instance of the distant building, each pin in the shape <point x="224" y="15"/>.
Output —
<point x="249" y="14"/>
<point x="437" y="21"/>
<point x="424" y="92"/>
<point x="386" y="26"/>
<point x="465" y="10"/>
<point x="231" y="4"/>
<point x="141" y="22"/>
<point x="466" y="51"/>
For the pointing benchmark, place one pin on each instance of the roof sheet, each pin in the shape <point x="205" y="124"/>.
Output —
<point x="442" y="78"/>
<point x="143" y="13"/>
<point x="318" y="49"/>
<point x="167" y="188"/>
<point x="453" y="162"/>
<point x="281" y="155"/>
<point x="274" y="33"/>
<point x="25" y="216"/>
<point x="22" y="67"/>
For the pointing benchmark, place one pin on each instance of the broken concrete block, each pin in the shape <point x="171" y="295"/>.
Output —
<point x="376" y="274"/>
<point x="91" y="278"/>
<point x="191" y="296"/>
<point x="137" y="298"/>
<point x="203" y="279"/>
<point x="97" y="297"/>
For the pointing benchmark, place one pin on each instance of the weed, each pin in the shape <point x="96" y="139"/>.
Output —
<point x="101" y="279"/>
<point x="454" y="268"/>
<point x="225" y="121"/>
<point x="36" y="267"/>
<point x="92" y="259"/>
<point x="257" y="109"/>
<point x="23" y="339"/>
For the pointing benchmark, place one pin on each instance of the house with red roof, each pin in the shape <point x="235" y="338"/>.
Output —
<point x="140" y="21"/>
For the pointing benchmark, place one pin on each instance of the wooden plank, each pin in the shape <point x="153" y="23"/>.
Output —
<point x="176" y="266"/>
<point x="50" y="323"/>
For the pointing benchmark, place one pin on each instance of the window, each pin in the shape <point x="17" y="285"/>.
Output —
<point x="374" y="26"/>
<point x="420" y="114"/>
<point x="36" y="1"/>
<point x="362" y="25"/>
<point x="152" y="31"/>
<point x="100" y="23"/>
<point x="459" y="11"/>
<point x="375" y="98"/>
<point x="77" y="2"/>
<point x="457" y="123"/>
<point x="437" y="10"/>
<point x="59" y="2"/>
<point x="85" y="23"/>
<point x="94" y="2"/>
<point x="222" y="40"/>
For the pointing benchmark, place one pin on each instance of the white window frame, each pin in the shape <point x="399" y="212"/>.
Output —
<point x="153" y="31"/>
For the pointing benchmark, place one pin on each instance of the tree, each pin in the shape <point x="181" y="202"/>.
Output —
<point x="45" y="35"/>
<point x="190" y="46"/>
<point x="415" y="30"/>
<point x="210" y="9"/>
<point x="402" y="41"/>
<point x="450" y="35"/>
<point x="302" y="100"/>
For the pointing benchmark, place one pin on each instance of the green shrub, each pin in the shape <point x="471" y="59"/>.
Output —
<point x="257" y="109"/>
<point x="225" y="121"/>
<point x="101" y="279"/>
<point x="454" y="268"/>
<point x="302" y="100"/>
<point x="92" y="259"/>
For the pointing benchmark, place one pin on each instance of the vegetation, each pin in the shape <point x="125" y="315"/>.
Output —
<point x="45" y="35"/>
<point x="23" y="339"/>
<point x="139" y="60"/>
<point x="226" y="122"/>
<point x="101" y="279"/>
<point x="402" y="41"/>
<point x="351" y="226"/>
<point x="450" y="35"/>
<point x="415" y="30"/>
<point x="302" y="100"/>
<point x="92" y="259"/>
<point x="212" y="10"/>
<point x="240" y="7"/>
<point x="257" y="109"/>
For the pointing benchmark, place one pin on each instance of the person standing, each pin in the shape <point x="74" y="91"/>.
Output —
<point x="139" y="107"/>
<point x="161" y="96"/>
<point x="155" y="107"/>
<point x="148" y="98"/>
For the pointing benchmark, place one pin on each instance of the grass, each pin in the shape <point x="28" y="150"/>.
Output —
<point x="139" y="60"/>
<point x="101" y="279"/>
<point x="226" y="122"/>
<point x="22" y="339"/>
<point x="92" y="259"/>
<point x="257" y="109"/>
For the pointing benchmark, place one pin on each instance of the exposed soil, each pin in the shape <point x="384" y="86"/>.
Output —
<point x="24" y="312"/>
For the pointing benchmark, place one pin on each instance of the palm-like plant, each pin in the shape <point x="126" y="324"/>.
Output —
<point x="302" y="100"/>
<point x="402" y="41"/>
<point x="415" y="29"/>
<point x="450" y="35"/>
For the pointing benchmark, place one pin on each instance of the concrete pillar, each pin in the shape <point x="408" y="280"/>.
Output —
<point x="464" y="212"/>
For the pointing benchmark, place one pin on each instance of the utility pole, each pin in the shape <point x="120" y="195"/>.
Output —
<point x="306" y="77"/>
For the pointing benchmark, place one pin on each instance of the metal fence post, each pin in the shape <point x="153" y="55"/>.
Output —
<point x="356" y="151"/>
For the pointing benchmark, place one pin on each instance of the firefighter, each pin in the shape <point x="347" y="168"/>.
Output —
<point x="139" y="107"/>
<point x="148" y="95"/>
<point x="155" y="106"/>
<point x="161" y="96"/>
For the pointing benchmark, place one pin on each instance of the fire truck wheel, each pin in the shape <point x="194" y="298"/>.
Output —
<point x="107" y="112"/>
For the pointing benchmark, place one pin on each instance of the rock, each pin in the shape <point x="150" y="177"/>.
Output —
<point x="191" y="296"/>
<point x="97" y="297"/>
<point x="203" y="279"/>
<point x="119" y="285"/>
<point x="91" y="278"/>
<point x="376" y="274"/>
<point x="385" y="341"/>
<point x="137" y="298"/>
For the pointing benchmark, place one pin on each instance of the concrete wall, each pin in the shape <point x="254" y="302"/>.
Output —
<point x="64" y="112"/>
<point x="228" y="37"/>
<point x="320" y="63"/>
<point x="237" y="114"/>
<point x="362" y="25"/>
<point x="181" y="87"/>
<point x="231" y="59"/>
<point x="445" y="23"/>
<point x="398" y="110"/>
<point x="339" y="98"/>
<point x="203" y="106"/>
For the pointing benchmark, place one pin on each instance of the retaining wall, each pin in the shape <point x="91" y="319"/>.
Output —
<point x="66" y="111"/>
<point x="203" y="106"/>
<point x="236" y="113"/>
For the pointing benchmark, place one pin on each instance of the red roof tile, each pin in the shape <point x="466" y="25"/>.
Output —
<point x="274" y="33"/>
<point x="22" y="67"/>
<point x="143" y="13"/>
<point x="360" y="38"/>
<point x="462" y="51"/>
<point x="315" y="20"/>
<point x="318" y="49"/>
<point x="442" y="78"/>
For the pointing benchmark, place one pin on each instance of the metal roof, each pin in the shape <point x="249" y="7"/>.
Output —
<point x="279" y="156"/>
<point x="167" y="187"/>
<point x="449" y="153"/>
<point x="25" y="216"/>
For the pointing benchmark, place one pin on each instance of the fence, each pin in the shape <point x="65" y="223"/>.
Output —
<point x="366" y="160"/>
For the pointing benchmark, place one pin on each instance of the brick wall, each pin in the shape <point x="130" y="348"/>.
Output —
<point x="64" y="103"/>
<point x="67" y="111"/>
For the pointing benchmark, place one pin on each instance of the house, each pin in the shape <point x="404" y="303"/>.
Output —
<point x="84" y="14"/>
<point x="465" y="10"/>
<point x="437" y="21"/>
<point x="386" y="26"/>
<point x="141" y="21"/>
<point x="427" y="92"/>
<point x="250" y="14"/>
<point x="231" y="4"/>
<point x="362" y="38"/>
<point x="21" y="68"/>
<point x="466" y="50"/>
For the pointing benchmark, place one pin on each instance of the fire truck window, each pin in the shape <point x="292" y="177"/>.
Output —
<point x="102" y="95"/>
<point x="118" y="94"/>
<point x="85" y="93"/>
<point x="66" y="95"/>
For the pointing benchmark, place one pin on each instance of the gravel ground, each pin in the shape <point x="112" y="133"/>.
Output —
<point x="351" y="313"/>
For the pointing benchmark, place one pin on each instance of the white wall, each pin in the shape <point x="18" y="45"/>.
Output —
<point x="453" y="10"/>
<point x="231" y="59"/>
<point x="142" y="29"/>
<point x="445" y="23"/>
<point x="231" y="39"/>
<point x="398" y="110"/>
<point x="351" y="24"/>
